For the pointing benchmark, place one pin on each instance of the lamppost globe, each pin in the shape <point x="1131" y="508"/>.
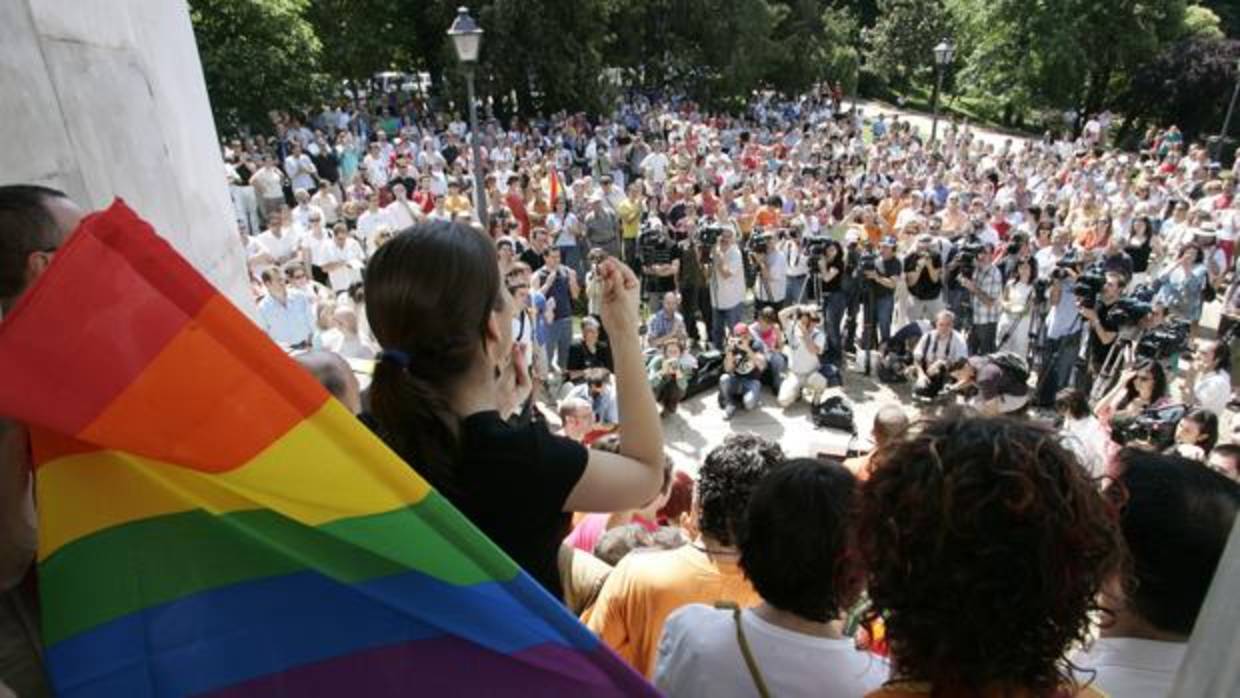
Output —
<point x="467" y="40"/>
<point x="944" y="53"/>
<point x="466" y="36"/>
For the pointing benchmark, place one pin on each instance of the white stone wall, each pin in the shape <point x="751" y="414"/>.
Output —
<point x="105" y="99"/>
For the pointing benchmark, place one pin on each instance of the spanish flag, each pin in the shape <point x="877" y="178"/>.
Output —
<point x="554" y="186"/>
<point x="212" y="522"/>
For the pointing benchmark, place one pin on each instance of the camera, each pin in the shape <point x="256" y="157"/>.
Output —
<point x="652" y="241"/>
<point x="759" y="243"/>
<point x="1087" y="287"/>
<point x="1165" y="341"/>
<point x="1041" y="289"/>
<point x="967" y="258"/>
<point x="867" y="261"/>
<point x="1128" y="311"/>
<point x="708" y="235"/>
<point x="816" y="246"/>
<point x="1154" y="426"/>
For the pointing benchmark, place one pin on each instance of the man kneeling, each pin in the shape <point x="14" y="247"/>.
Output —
<point x="998" y="382"/>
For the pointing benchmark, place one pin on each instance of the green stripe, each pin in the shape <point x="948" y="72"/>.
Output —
<point x="144" y="563"/>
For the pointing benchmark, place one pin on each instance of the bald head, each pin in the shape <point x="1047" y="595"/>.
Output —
<point x="889" y="423"/>
<point x="334" y="373"/>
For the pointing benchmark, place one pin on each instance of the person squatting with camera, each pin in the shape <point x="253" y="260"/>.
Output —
<point x="744" y="361"/>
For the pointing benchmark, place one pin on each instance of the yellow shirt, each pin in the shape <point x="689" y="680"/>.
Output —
<point x="645" y="588"/>
<point x="456" y="204"/>
<point x="630" y="218"/>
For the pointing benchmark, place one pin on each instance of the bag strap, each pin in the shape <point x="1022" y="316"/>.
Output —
<point x="750" y="662"/>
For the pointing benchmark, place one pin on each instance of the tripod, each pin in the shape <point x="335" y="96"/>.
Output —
<point x="1113" y="364"/>
<point x="812" y="285"/>
<point x="870" y="329"/>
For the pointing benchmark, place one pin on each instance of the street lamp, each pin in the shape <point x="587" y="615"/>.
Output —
<point x="1231" y="108"/>
<point x="467" y="40"/>
<point x="943" y="55"/>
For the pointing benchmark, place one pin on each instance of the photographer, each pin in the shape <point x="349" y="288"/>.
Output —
<point x="669" y="373"/>
<point x="883" y="277"/>
<point x="798" y="265"/>
<point x="1001" y="388"/>
<point x="771" y="285"/>
<point x="806" y="342"/>
<point x="667" y="325"/>
<point x="923" y="275"/>
<point x="727" y="285"/>
<point x="934" y="353"/>
<point x="834" y="300"/>
<point x="1063" y="337"/>
<point x="559" y="285"/>
<point x="660" y="262"/>
<point x="985" y="289"/>
<point x="744" y="360"/>
<point x="694" y="288"/>
<point x="1103" y="330"/>
<point x="961" y="264"/>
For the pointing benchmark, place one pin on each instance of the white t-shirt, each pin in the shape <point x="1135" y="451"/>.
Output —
<point x="1132" y="668"/>
<point x="351" y="254"/>
<point x="803" y="361"/>
<point x="399" y="214"/>
<point x="730" y="291"/>
<point x="777" y="278"/>
<point x="699" y="656"/>
<point x="278" y="248"/>
<point x="655" y="166"/>
<point x="369" y="223"/>
<point x="1089" y="440"/>
<point x="1212" y="391"/>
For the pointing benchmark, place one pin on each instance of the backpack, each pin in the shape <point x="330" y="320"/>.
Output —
<point x="834" y="413"/>
<point x="707" y="374"/>
<point x="1013" y="366"/>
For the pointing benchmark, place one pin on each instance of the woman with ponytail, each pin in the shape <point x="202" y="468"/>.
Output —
<point x="446" y="379"/>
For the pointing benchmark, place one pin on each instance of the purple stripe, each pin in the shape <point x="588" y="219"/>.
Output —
<point x="452" y="667"/>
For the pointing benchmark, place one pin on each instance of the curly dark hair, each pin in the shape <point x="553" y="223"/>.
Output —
<point x="985" y="544"/>
<point x="794" y="539"/>
<point x="727" y="478"/>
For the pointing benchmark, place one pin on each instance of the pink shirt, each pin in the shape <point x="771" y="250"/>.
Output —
<point x="585" y="536"/>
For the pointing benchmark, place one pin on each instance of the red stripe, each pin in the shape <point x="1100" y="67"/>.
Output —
<point x="114" y="296"/>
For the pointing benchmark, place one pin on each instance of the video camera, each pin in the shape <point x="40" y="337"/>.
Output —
<point x="1154" y="426"/>
<point x="652" y="241"/>
<point x="1088" y="285"/>
<point x="867" y="261"/>
<point x="1128" y="311"/>
<point x="1165" y="341"/>
<point x="759" y="243"/>
<point x="967" y="257"/>
<point x="815" y="248"/>
<point x="708" y="235"/>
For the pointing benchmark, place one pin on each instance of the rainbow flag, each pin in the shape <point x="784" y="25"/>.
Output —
<point x="555" y="185"/>
<point x="213" y="523"/>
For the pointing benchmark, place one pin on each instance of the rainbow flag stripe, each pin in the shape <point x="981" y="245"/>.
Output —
<point x="213" y="523"/>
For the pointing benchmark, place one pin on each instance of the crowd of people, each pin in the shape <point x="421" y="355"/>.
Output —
<point x="1050" y="524"/>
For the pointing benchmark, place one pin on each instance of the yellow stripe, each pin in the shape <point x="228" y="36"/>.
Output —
<point x="328" y="467"/>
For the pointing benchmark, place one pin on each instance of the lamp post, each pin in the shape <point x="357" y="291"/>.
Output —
<point x="1231" y="108"/>
<point x="943" y="55"/>
<point x="467" y="40"/>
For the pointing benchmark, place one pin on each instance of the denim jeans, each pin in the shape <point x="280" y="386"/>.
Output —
<point x="724" y="319"/>
<point x="834" y="306"/>
<point x="559" y="339"/>
<point x="1058" y="358"/>
<point x="982" y="339"/>
<point x="883" y="308"/>
<point x="734" y="390"/>
<point x="776" y="365"/>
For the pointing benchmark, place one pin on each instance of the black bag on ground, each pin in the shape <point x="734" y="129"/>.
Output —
<point x="834" y="413"/>
<point x="1014" y="366"/>
<point x="706" y="377"/>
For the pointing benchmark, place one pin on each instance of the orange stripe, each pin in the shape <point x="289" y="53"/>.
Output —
<point x="218" y="394"/>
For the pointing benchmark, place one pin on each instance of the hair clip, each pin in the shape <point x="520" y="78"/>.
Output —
<point x="395" y="356"/>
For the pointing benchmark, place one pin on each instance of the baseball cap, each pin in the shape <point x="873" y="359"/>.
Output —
<point x="740" y="329"/>
<point x="889" y="241"/>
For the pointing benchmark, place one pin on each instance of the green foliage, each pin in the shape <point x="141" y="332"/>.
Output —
<point x="1202" y="23"/>
<point x="902" y="40"/>
<point x="257" y="55"/>
<point x="359" y="37"/>
<point x="1189" y="83"/>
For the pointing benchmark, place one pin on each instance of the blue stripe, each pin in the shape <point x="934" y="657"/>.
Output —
<point x="223" y="636"/>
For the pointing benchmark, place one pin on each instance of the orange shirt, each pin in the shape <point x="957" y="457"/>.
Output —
<point x="645" y="588"/>
<point x="767" y="218"/>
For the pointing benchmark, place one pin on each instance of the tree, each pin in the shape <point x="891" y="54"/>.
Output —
<point x="257" y="56"/>
<point x="903" y="39"/>
<point x="1188" y="84"/>
<point x="359" y="37"/>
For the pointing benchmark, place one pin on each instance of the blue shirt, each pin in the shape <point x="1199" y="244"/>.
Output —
<point x="288" y="323"/>
<point x="1063" y="319"/>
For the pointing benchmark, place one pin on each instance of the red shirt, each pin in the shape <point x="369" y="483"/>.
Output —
<point x="516" y="206"/>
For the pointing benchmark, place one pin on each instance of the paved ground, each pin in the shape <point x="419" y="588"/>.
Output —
<point x="700" y="426"/>
<point x="922" y="122"/>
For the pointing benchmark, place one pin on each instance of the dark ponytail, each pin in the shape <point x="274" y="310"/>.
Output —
<point x="429" y="294"/>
